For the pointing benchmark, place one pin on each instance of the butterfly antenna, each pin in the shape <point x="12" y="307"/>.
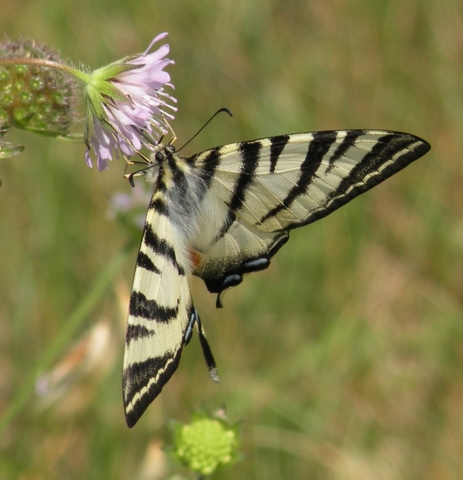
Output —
<point x="205" y="125"/>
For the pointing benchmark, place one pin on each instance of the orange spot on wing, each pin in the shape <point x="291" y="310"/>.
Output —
<point x="195" y="258"/>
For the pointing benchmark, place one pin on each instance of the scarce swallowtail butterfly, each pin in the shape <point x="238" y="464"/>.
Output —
<point x="225" y="212"/>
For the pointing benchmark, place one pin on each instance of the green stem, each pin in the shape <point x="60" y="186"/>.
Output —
<point x="41" y="62"/>
<point x="64" y="338"/>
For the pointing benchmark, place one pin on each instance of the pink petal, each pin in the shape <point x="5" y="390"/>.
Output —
<point x="155" y="39"/>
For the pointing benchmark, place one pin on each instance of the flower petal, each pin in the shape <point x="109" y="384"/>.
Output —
<point x="128" y="103"/>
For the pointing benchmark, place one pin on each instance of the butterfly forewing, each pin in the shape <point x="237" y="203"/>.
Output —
<point x="314" y="174"/>
<point x="225" y="212"/>
<point x="160" y="312"/>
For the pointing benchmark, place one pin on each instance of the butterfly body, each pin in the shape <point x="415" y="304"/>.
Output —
<point x="224" y="213"/>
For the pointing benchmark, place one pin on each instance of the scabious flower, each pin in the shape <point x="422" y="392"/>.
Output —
<point x="127" y="107"/>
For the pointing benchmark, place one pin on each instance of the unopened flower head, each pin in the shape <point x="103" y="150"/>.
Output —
<point x="127" y="107"/>
<point x="206" y="444"/>
<point x="35" y="97"/>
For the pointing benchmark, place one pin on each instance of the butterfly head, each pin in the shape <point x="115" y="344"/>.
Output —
<point x="161" y="153"/>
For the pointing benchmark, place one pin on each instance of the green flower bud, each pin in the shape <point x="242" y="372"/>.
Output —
<point x="35" y="97"/>
<point x="206" y="444"/>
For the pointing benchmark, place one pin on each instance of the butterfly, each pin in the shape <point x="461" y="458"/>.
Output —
<point x="225" y="212"/>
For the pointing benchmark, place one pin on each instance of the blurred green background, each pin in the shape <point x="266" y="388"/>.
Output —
<point x="345" y="358"/>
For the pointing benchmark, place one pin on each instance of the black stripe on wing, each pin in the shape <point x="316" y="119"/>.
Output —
<point x="143" y="261"/>
<point x="372" y="170"/>
<point x="158" y="203"/>
<point x="348" y="142"/>
<point x="277" y="145"/>
<point x="250" y="152"/>
<point x="209" y="166"/>
<point x="161" y="247"/>
<point x="137" y="376"/>
<point x="317" y="149"/>
<point x="142" y="307"/>
<point x="137" y="332"/>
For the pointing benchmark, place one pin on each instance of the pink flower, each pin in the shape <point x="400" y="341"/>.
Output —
<point x="127" y="105"/>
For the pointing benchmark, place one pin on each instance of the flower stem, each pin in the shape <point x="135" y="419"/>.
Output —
<point x="64" y="338"/>
<point x="41" y="62"/>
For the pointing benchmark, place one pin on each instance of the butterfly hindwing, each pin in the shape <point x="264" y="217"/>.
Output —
<point x="240" y="249"/>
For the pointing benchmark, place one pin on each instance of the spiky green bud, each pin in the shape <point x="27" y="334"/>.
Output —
<point x="206" y="444"/>
<point x="35" y="97"/>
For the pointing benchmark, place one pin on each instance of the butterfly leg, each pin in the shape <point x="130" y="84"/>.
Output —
<point x="210" y="362"/>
